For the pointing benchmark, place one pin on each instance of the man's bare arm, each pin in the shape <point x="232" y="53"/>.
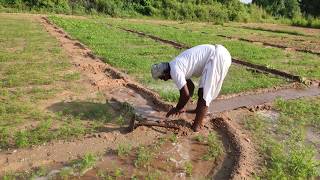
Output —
<point x="184" y="97"/>
<point x="183" y="100"/>
<point x="190" y="87"/>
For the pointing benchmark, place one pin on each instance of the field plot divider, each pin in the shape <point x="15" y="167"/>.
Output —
<point x="258" y="68"/>
<point x="269" y="44"/>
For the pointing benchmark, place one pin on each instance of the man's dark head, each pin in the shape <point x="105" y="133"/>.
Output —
<point x="161" y="71"/>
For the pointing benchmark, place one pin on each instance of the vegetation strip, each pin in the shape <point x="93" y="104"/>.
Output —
<point x="270" y="44"/>
<point x="259" y="68"/>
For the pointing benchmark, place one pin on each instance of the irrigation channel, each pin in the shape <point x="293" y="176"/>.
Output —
<point x="240" y="159"/>
<point x="311" y="51"/>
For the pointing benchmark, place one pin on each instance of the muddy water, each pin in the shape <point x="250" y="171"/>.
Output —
<point x="142" y="107"/>
<point x="168" y="162"/>
<point x="258" y="99"/>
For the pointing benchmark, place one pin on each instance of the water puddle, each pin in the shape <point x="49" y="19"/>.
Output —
<point x="181" y="159"/>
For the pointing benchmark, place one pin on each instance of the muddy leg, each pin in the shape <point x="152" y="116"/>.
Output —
<point x="201" y="111"/>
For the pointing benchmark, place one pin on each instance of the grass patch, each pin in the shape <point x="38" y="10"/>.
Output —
<point x="188" y="168"/>
<point x="214" y="147"/>
<point x="282" y="142"/>
<point x="123" y="149"/>
<point x="144" y="157"/>
<point x="33" y="69"/>
<point x="87" y="162"/>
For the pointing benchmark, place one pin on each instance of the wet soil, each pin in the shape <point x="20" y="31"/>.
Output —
<point x="169" y="160"/>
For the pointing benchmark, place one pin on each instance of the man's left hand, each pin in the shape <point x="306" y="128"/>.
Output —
<point x="175" y="111"/>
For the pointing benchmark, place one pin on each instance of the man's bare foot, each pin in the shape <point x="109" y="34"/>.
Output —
<point x="196" y="127"/>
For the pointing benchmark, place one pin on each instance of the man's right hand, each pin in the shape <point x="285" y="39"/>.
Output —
<point x="175" y="111"/>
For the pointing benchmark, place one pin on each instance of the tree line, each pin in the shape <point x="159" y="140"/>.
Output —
<point x="218" y="11"/>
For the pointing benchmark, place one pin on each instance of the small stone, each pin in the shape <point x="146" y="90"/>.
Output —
<point x="14" y="151"/>
<point x="248" y="140"/>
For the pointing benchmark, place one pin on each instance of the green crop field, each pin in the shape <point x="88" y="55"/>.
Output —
<point x="298" y="63"/>
<point x="34" y="69"/>
<point x="140" y="53"/>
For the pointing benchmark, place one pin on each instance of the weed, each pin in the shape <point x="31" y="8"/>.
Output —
<point x="118" y="173"/>
<point x="200" y="138"/>
<point x="159" y="143"/>
<point x="41" y="171"/>
<point x="4" y="137"/>
<point x="65" y="173"/>
<point x="123" y="149"/>
<point x="143" y="157"/>
<point x="9" y="177"/>
<point x="214" y="147"/>
<point x="173" y="138"/>
<point x="154" y="175"/>
<point x="85" y="163"/>
<point x="105" y="175"/>
<point x="188" y="168"/>
<point x="120" y="120"/>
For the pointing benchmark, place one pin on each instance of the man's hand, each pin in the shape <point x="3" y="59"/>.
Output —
<point x="175" y="111"/>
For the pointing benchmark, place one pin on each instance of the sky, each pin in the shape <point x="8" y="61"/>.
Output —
<point x="246" y="1"/>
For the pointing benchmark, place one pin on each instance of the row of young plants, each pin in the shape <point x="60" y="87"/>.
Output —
<point x="298" y="63"/>
<point x="109" y="42"/>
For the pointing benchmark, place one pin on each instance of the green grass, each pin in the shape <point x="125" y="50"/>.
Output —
<point x="123" y="150"/>
<point x="188" y="168"/>
<point x="215" y="147"/>
<point x="135" y="55"/>
<point x="34" y="70"/>
<point x="303" y="64"/>
<point x="144" y="157"/>
<point x="282" y="141"/>
<point x="87" y="162"/>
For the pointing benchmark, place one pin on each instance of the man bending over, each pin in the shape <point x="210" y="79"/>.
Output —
<point x="211" y="62"/>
